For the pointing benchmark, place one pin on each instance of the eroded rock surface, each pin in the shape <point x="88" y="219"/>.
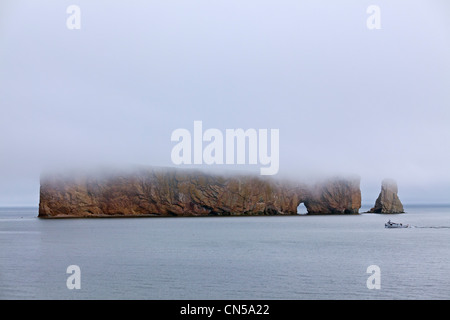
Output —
<point x="176" y="192"/>
<point x="338" y="195"/>
<point x="388" y="200"/>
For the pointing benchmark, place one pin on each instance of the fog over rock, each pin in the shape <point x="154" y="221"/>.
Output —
<point x="388" y="200"/>
<point x="175" y="192"/>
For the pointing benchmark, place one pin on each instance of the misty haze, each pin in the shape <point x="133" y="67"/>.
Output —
<point x="326" y="129"/>
<point x="345" y="99"/>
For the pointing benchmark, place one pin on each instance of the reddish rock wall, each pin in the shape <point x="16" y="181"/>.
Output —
<point x="175" y="192"/>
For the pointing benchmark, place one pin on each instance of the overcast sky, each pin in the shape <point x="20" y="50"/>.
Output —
<point x="345" y="98"/>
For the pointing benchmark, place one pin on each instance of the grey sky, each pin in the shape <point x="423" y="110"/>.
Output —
<point x="346" y="99"/>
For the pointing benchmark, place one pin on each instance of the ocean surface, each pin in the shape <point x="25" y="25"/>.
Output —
<point x="276" y="257"/>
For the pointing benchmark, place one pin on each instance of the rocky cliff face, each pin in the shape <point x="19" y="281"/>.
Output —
<point x="174" y="192"/>
<point x="341" y="196"/>
<point x="388" y="200"/>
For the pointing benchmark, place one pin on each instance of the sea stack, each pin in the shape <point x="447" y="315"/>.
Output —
<point x="388" y="200"/>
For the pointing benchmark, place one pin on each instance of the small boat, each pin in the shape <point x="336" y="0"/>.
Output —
<point x="390" y="224"/>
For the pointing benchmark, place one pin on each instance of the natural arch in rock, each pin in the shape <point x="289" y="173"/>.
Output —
<point x="301" y="209"/>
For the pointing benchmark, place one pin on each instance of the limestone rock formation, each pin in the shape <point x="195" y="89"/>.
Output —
<point x="338" y="195"/>
<point x="388" y="200"/>
<point x="176" y="192"/>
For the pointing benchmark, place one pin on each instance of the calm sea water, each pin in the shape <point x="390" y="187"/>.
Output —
<point x="298" y="257"/>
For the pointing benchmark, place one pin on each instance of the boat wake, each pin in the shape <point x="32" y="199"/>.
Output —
<point x="395" y="225"/>
<point x="431" y="227"/>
